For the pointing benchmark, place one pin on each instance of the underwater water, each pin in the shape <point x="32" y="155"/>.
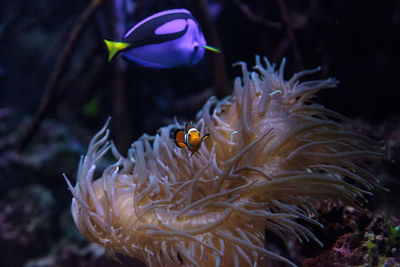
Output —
<point x="58" y="86"/>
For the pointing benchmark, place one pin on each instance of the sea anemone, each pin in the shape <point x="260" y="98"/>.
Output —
<point x="270" y="154"/>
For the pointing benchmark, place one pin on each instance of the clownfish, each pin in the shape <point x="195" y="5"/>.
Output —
<point x="190" y="138"/>
<point x="167" y="39"/>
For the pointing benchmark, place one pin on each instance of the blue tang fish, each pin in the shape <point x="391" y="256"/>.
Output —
<point x="167" y="39"/>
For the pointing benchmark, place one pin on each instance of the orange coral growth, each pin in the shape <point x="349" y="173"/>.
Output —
<point x="270" y="152"/>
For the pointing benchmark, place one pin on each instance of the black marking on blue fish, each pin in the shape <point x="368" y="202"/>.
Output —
<point x="145" y="33"/>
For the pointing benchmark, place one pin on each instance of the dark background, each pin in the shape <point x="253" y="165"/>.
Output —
<point x="54" y="74"/>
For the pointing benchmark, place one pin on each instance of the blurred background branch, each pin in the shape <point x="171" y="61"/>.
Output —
<point x="58" y="73"/>
<point x="220" y="78"/>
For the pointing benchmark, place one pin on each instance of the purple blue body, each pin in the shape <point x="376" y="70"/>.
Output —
<point x="167" y="39"/>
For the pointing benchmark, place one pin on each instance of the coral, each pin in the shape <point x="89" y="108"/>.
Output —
<point x="366" y="239"/>
<point x="25" y="216"/>
<point x="271" y="152"/>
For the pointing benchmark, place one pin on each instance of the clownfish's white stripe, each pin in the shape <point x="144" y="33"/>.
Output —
<point x="187" y="137"/>
<point x="181" y="10"/>
<point x="192" y="130"/>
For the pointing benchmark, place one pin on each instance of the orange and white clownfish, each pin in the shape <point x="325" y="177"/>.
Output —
<point x="190" y="138"/>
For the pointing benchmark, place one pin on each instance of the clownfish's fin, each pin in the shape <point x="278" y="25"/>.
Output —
<point x="205" y="137"/>
<point x="179" y="138"/>
<point x="114" y="48"/>
<point x="187" y="128"/>
<point x="212" y="48"/>
<point x="180" y="144"/>
<point x="193" y="150"/>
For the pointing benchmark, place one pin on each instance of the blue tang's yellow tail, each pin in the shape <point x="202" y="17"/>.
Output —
<point x="114" y="48"/>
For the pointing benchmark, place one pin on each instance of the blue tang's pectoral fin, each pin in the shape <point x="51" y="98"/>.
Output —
<point x="115" y="47"/>
<point x="212" y="48"/>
